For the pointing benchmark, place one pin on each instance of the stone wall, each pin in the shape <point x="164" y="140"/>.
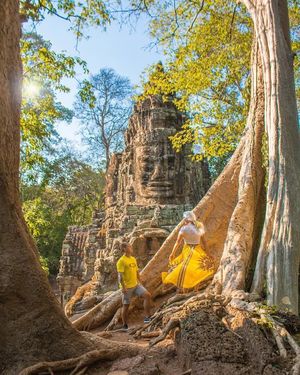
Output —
<point x="70" y="277"/>
<point x="148" y="187"/>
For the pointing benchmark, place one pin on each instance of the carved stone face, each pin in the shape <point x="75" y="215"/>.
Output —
<point x="156" y="171"/>
<point x="149" y="171"/>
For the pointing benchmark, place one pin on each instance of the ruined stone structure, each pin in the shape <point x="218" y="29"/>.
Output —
<point x="71" y="262"/>
<point x="148" y="187"/>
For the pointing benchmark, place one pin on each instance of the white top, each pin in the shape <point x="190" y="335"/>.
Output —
<point x="191" y="234"/>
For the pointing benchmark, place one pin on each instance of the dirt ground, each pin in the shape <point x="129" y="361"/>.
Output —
<point x="202" y="346"/>
<point x="159" y="360"/>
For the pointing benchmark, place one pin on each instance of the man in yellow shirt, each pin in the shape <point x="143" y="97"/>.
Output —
<point x="129" y="280"/>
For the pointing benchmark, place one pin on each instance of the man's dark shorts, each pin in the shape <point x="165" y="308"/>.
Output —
<point x="138" y="290"/>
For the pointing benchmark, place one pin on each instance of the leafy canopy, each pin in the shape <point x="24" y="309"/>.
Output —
<point x="58" y="190"/>
<point x="207" y="48"/>
<point x="45" y="69"/>
<point x="43" y="72"/>
<point x="77" y="12"/>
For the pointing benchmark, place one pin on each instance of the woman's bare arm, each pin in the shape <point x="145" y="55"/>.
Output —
<point x="176" y="246"/>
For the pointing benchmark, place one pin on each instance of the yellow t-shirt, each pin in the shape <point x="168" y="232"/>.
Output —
<point x="128" y="266"/>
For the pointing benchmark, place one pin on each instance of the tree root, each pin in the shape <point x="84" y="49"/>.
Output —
<point x="187" y="372"/>
<point x="76" y="364"/>
<point x="224" y="321"/>
<point x="82" y="372"/>
<point x="146" y="335"/>
<point x="279" y="332"/>
<point x="170" y="312"/>
<point x="180" y="297"/>
<point x="293" y="344"/>
<point x="113" y="323"/>
<point x="105" y="350"/>
<point x="282" y="333"/>
<point x="155" y="322"/>
<point x="174" y="310"/>
<point x="177" y="307"/>
<point x="173" y="323"/>
<point x="279" y="342"/>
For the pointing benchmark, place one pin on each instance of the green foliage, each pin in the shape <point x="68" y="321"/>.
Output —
<point x="45" y="69"/>
<point x="294" y="16"/>
<point x="266" y="315"/>
<point x="58" y="191"/>
<point x="207" y="45"/>
<point x="65" y="193"/>
<point x="79" y="13"/>
<point x="208" y="55"/>
<point x="43" y="72"/>
<point x="44" y="265"/>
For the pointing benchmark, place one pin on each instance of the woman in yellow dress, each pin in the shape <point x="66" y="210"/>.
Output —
<point x="193" y="265"/>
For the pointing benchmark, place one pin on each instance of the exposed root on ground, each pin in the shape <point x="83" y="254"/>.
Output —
<point x="80" y="293"/>
<point x="76" y="364"/>
<point x="171" y="312"/>
<point x="114" y="322"/>
<point x="169" y="317"/>
<point x="109" y="351"/>
<point x="172" y="323"/>
<point x="278" y="330"/>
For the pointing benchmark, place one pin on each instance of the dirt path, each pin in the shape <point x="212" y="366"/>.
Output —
<point x="160" y="360"/>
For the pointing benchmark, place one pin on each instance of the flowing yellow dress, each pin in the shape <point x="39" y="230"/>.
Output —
<point x="191" y="267"/>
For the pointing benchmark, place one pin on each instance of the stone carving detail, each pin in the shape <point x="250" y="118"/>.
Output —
<point x="148" y="187"/>
<point x="69" y="277"/>
<point x="95" y="240"/>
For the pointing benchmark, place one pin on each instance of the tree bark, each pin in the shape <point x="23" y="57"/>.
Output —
<point x="238" y="248"/>
<point x="32" y="325"/>
<point x="279" y="252"/>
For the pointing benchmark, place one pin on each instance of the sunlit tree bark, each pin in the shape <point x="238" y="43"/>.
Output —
<point x="32" y="325"/>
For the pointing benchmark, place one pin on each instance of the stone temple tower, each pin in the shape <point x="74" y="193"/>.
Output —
<point x="148" y="187"/>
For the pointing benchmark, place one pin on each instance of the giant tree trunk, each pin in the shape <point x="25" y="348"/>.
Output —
<point x="32" y="325"/>
<point x="279" y="253"/>
<point x="243" y="227"/>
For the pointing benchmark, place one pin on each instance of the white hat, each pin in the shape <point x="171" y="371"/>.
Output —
<point x="189" y="215"/>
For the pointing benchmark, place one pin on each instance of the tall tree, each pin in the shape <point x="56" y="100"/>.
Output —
<point x="103" y="105"/>
<point x="32" y="324"/>
<point x="208" y="46"/>
<point x="233" y="207"/>
<point x="279" y="252"/>
<point x="78" y="13"/>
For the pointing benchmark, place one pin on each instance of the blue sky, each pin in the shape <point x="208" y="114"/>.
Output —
<point x="123" y="49"/>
